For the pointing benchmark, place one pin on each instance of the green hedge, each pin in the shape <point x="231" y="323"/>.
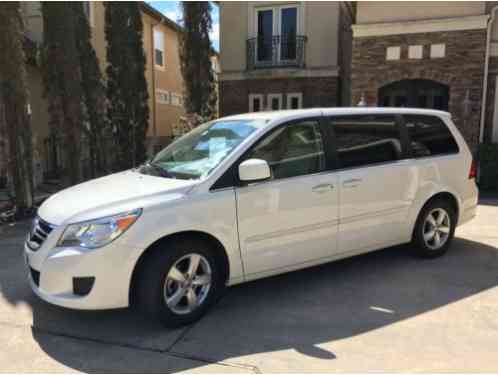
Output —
<point x="488" y="161"/>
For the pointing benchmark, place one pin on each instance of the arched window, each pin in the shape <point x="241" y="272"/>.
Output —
<point x="415" y="93"/>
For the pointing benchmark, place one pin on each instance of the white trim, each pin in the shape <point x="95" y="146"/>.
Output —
<point x="270" y="99"/>
<point x="494" y="132"/>
<point x="278" y="73"/>
<point x="422" y="26"/>
<point x="251" y="102"/>
<point x="299" y="96"/>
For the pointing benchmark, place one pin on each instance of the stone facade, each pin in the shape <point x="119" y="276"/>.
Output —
<point x="316" y="91"/>
<point x="462" y="70"/>
<point x="490" y="100"/>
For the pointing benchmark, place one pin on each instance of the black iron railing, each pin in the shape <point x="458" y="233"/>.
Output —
<point x="276" y="51"/>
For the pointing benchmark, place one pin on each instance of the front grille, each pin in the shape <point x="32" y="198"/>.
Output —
<point x="35" y="275"/>
<point x="39" y="233"/>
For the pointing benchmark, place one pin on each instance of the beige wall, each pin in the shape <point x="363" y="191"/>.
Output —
<point x="319" y="21"/>
<point x="322" y="28"/>
<point x="385" y="11"/>
<point x="233" y="36"/>
<point x="167" y="79"/>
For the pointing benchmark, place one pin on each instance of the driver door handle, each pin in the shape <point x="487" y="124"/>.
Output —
<point x="352" y="182"/>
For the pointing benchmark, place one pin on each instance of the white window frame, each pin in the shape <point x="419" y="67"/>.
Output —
<point x="438" y="51"/>
<point x="176" y="99"/>
<point x="270" y="99"/>
<point x="292" y="95"/>
<point x="251" y="102"/>
<point x="277" y="24"/>
<point x="393" y="53"/>
<point x="163" y="96"/>
<point x="416" y="52"/>
<point x="156" y="47"/>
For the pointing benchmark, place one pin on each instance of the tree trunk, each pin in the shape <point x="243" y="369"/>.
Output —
<point x="14" y="95"/>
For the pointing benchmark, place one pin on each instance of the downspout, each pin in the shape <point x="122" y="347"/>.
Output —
<point x="486" y="69"/>
<point x="153" y="69"/>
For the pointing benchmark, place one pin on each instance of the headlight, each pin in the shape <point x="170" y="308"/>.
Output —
<point x="99" y="232"/>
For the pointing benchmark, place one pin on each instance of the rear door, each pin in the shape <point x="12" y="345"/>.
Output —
<point x="377" y="181"/>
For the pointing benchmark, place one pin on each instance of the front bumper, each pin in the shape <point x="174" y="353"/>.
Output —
<point x="57" y="267"/>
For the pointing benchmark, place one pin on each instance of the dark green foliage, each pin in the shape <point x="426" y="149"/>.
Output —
<point x="63" y="82"/>
<point x="488" y="162"/>
<point x="127" y="95"/>
<point x="195" y="58"/>
<point x="93" y="93"/>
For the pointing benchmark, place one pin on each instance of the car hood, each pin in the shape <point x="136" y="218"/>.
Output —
<point x="110" y="195"/>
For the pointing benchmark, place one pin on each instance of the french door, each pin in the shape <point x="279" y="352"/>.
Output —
<point x="277" y="29"/>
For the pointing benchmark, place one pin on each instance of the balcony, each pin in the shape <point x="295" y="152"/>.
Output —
<point x="276" y="52"/>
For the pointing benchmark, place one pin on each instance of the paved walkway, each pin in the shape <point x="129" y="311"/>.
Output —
<point x="384" y="311"/>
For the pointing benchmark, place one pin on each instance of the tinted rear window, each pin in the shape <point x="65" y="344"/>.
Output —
<point x="429" y="136"/>
<point x="364" y="140"/>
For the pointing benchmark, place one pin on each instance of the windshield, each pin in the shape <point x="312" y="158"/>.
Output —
<point x="201" y="150"/>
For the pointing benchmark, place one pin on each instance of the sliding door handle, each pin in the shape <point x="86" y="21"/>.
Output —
<point x="322" y="188"/>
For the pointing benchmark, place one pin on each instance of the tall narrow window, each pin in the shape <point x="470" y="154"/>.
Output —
<point x="274" y="102"/>
<point x="255" y="102"/>
<point x="288" y="32"/>
<point x="265" y="35"/>
<point x="159" y="48"/>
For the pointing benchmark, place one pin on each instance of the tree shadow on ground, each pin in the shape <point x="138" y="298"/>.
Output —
<point x="299" y="310"/>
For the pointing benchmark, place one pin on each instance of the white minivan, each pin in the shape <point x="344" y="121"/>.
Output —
<point x="249" y="196"/>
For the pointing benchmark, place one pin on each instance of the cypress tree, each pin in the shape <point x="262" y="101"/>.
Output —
<point x="93" y="93"/>
<point x="127" y="95"/>
<point x="14" y="95"/>
<point x="195" y="58"/>
<point x="63" y="82"/>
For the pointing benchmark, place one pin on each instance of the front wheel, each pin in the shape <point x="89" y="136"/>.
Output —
<point x="434" y="229"/>
<point x="179" y="282"/>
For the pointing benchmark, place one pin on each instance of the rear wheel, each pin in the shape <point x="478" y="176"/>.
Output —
<point x="434" y="229"/>
<point x="178" y="283"/>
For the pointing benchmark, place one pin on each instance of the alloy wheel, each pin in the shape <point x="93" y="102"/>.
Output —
<point x="187" y="284"/>
<point x="436" y="229"/>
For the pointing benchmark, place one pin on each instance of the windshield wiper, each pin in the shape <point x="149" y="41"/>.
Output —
<point x="160" y="171"/>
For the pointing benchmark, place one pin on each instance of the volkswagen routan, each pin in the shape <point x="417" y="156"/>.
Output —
<point x="250" y="196"/>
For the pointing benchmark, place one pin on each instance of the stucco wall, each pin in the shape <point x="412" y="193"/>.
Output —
<point x="233" y="36"/>
<point x="319" y="21"/>
<point x="168" y="79"/>
<point x="385" y="11"/>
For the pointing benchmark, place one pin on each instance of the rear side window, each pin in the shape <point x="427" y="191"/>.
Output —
<point x="365" y="140"/>
<point x="429" y="136"/>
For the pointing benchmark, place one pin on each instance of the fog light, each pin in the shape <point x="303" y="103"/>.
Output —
<point x="82" y="285"/>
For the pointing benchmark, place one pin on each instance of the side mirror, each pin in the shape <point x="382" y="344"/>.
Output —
<point x="253" y="170"/>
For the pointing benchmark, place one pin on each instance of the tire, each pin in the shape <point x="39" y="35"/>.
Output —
<point x="159" y="281"/>
<point x="427" y="231"/>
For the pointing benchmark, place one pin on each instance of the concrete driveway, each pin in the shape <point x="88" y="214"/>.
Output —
<point x="384" y="311"/>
